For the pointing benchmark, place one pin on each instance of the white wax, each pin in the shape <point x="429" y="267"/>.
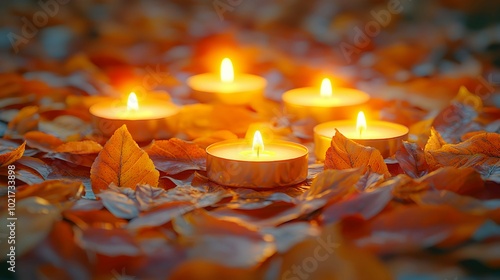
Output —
<point x="211" y="82"/>
<point x="375" y="130"/>
<point x="241" y="150"/>
<point x="310" y="96"/>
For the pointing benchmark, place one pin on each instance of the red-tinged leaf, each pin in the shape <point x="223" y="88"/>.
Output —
<point x="345" y="153"/>
<point x="465" y="181"/>
<point x="79" y="147"/>
<point x="175" y="156"/>
<point x="404" y="186"/>
<point x="122" y="162"/>
<point x="9" y="155"/>
<point x="365" y="204"/>
<point x="54" y="191"/>
<point x="434" y="143"/>
<point x="42" y="141"/>
<point x="108" y="242"/>
<point x="412" y="159"/>
<point x="26" y="120"/>
<point x="216" y="136"/>
<point x="482" y="149"/>
<point x="119" y="204"/>
<point x="457" y="119"/>
<point x="333" y="183"/>
<point x="161" y="215"/>
<point x="36" y="218"/>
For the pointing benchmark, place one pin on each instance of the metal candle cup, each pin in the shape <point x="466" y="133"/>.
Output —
<point x="384" y="136"/>
<point x="324" y="104"/>
<point x="154" y="119"/>
<point x="233" y="163"/>
<point x="226" y="87"/>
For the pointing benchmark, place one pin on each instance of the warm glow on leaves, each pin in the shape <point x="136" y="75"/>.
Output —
<point x="345" y="153"/>
<point x="174" y="156"/>
<point x="11" y="155"/>
<point x="122" y="162"/>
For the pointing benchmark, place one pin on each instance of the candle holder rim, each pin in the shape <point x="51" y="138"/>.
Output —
<point x="234" y="141"/>
<point x="321" y="125"/>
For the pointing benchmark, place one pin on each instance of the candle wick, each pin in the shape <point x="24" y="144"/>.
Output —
<point x="258" y="151"/>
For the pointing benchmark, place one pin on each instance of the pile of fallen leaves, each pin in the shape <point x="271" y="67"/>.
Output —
<point x="92" y="207"/>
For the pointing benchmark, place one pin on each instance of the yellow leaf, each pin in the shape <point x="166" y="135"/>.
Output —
<point x="122" y="162"/>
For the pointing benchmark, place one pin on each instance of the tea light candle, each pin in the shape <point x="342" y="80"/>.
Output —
<point x="384" y="136"/>
<point x="151" y="119"/>
<point x="239" y="163"/>
<point x="227" y="87"/>
<point x="324" y="104"/>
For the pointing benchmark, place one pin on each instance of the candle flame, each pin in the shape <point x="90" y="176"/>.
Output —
<point x="326" y="88"/>
<point x="132" y="103"/>
<point x="361" y="123"/>
<point x="258" y="143"/>
<point x="226" y="71"/>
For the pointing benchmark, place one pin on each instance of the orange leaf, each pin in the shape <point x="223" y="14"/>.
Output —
<point x="42" y="141"/>
<point x="24" y="121"/>
<point x="220" y="135"/>
<point x="481" y="149"/>
<point x="13" y="155"/>
<point x="345" y="153"/>
<point x="53" y="191"/>
<point x="412" y="159"/>
<point x="459" y="180"/>
<point x="122" y="162"/>
<point x="79" y="147"/>
<point x="175" y="156"/>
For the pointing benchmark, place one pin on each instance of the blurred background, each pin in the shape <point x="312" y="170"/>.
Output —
<point x="392" y="47"/>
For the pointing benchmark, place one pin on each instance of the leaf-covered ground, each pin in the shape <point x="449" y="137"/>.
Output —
<point x="96" y="207"/>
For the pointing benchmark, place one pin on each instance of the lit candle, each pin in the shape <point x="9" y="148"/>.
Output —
<point x="385" y="136"/>
<point x="226" y="87"/>
<point x="324" y="103"/>
<point x="146" y="120"/>
<point x="239" y="163"/>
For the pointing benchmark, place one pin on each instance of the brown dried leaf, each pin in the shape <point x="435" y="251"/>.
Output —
<point x="122" y="162"/>
<point x="334" y="183"/>
<point x="175" y="156"/>
<point x="11" y="155"/>
<point x="345" y="153"/>
<point x="412" y="159"/>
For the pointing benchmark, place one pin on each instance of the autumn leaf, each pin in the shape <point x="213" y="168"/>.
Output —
<point x="460" y="180"/>
<point x="175" y="156"/>
<point x="481" y="149"/>
<point x="217" y="136"/>
<point x="11" y="155"/>
<point x="42" y="141"/>
<point x="345" y="153"/>
<point x="434" y="143"/>
<point x="79" y="147"/>
<point x="333" y="183"/>
<point x="54" y="191"/>
<point x="26" y="120"/>
<point x="412" y="159"/>
<point x="458" y="118"/>
<point x="122" y="162"/>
